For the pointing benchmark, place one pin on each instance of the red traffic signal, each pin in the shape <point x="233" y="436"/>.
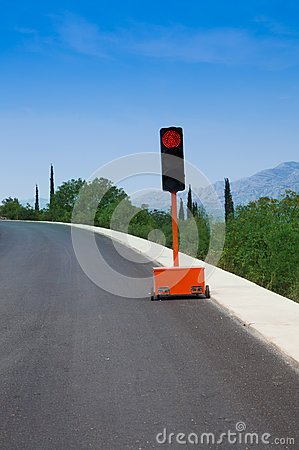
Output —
<point x="171" y="139"/>
<point x="172" y="158"/>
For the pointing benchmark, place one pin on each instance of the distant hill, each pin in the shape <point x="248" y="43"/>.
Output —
<point x="267" y="183"/>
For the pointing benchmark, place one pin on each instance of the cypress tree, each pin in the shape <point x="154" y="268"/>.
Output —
<point x="195" y="209"/>
<point x="189" y="203"/>
<point x="52" y="189"/>
<point x="36" y="206"/>
<point x="228" y="200"/>
<point x="181" y="210"/>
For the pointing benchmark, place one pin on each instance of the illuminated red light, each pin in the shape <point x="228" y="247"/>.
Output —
<point x="171" y="139"/>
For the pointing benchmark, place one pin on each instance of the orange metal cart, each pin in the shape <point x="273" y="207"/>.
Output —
<point x="178" y="281"/>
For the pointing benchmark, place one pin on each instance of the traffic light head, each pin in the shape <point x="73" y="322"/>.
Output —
<point x="172" y="158"/>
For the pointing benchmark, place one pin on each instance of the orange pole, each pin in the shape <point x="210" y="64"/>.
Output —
<point x="175" y="234"/>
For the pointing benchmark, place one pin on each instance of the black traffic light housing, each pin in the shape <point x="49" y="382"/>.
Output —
<point x="172" y="158"/>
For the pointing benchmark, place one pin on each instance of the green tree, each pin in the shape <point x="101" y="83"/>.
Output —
<point x="262" y="244"/>
<point x="228" y="200"/>
<point x="194" y="209"/>
<point x="28" y="213"/>
<point x="181" y="211"/>
<point x="11" y="208"/>
<point x="64" y="200"/>
<point x="189" y="203"/>
<point x="204" y="231"/>
<point x="36" y="205"/>
<point x="97" y="202"/>
<point x="142" y="223"/>
<point x="195" y="234"/>
<point x="52" y="186"/>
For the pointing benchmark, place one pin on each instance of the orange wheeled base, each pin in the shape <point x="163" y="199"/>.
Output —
<point x="179" y="281"/>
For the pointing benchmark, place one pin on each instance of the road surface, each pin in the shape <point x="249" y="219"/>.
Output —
<point x="81" y="368"/>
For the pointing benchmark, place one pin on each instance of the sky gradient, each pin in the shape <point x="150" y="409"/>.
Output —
<point x="84" y="82"/>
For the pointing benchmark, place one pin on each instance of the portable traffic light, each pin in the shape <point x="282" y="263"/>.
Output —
<point x="172" y="157"/>
<point x="175" y="281"/>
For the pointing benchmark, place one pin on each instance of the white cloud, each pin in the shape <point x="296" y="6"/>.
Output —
<point x="229" y="46"/>
<point x="274" y="27"/>
<point x="220" y="46"/>
<point x="77" y="34"/>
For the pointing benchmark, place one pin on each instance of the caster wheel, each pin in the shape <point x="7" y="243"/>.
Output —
<point x="207" y="292"/>
<point x="152" y="296"/>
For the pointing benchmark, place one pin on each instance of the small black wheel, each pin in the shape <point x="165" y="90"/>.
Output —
<point x="207" y="292"/>
<point x="152" y="296"/>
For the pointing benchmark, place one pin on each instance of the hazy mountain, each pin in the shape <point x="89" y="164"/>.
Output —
<point x="267" y="183"/>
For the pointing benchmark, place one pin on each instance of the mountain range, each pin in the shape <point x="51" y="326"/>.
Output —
<point x="267" y="183"/>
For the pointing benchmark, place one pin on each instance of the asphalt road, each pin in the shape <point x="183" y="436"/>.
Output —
<point x="81" y="368"/>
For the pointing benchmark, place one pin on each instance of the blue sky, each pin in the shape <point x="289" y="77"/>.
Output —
<point x="84" y="82"/>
